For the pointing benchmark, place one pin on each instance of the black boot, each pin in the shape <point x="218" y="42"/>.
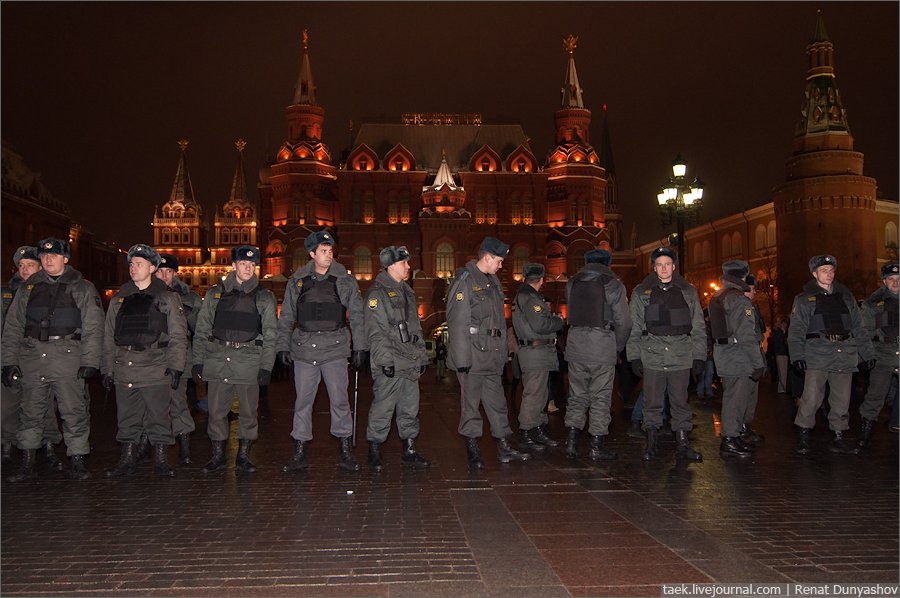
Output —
<point x="840" y="447"/>
<point x="142" y="452"/>
<point x="528" y="443"/>
<point x="217" y="461"/>
<point x="161" y="461"/>
<point x="375" y="460"/>
<point x="474" y="454"/>
<point x="749" y="436"/>
<point x="53" y="461"/>
<point x="683" y="447"/>
<point x="572" y="443"/>
<point x="410" y="458"/>
<point x="7" y="454"/>
<point x="506" y="452"/>
<point x="79" y="470"/>
<point x="242" y="462"/>
<point x="298" y="460"/>
<point x="635" y="431"/>
<point x="127" y="461"/>
<point x="26" y="467"/>
<point x="865" y="434"/>
<point x="348" y="461"/>
<point x="652" y="446"/>
<point x="598" y="451"/>
<point x="731" y="446"/>
<point x="802" y="441"/>
<point x="184" y="448"/>
<point x="539" y="435"/>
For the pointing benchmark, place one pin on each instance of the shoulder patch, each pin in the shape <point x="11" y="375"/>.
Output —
<point x="811" y="298"/>
<point x="299" y="283"/>
<point x="28" y="287"/>
<point x="7" y="295"/>
<point x="373" y="303"/>
<point x="749" y="312"/>
<point x="460" y="296"/>
<point x="648" y="291"/>
<point x="537" y="308"/>
<point x="217" y="295"/>
<point x="391" y="294"/>
<point x="121" y="299"/>
<point x="476" y="288"/>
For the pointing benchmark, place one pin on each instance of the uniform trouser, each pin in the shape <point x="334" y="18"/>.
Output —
<point x="10" y="402"/>
<point x="534" y="397"/>
<point x="735" y="401"/>
<point x="656" y="382"/>
<point x="182" y="422"/>
<point x="781" y="362"/>
<point x="590" y="387"/>
<point x="441" y="367"/>
<point x="814" y="394"/>
<point x="221" y="397"/>
<point x="144" y="409"/>
<point x="397" y="393"/>
<point x="752" y="400"/>
<point x="73" y="409"/>
<point x="486" y="389"/>
<point x="880" y="380"/>
<point x="306" y="383"/>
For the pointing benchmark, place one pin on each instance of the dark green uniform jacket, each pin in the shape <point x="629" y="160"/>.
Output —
<point x="533" y="321"/>
<point x="191" y="303"/>
<point x="476" y="323"/>
<point x="595" y="345"/>
<point x="388" y="303"/>
<point x="881" y="326"/>
<point x="741" y="355"/>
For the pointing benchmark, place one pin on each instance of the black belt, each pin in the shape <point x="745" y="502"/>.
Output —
<point x="537" y="343"/>
<point x="236" y="344"/>
<point x="829" y="337"/>
<point x="161" y="345"/>
<point x="495" y="332"/>
<point x="724" y="341"/>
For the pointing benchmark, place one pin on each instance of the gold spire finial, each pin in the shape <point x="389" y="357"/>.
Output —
<point x="240" y="144"/>
<point x="570" y="43"/>
<point x="444" y="154"/>
<point x="305" y="39"/>
<point x="182" y="144"/>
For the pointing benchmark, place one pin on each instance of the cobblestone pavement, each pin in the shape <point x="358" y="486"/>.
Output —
<point x="549" y="527"/>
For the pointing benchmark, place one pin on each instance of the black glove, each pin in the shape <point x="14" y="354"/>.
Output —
<point x="359" y="360"/>
<point x="800" y="365"/>
<point x="388" y="371"/>
<point x="865" y="366"/>
<point x="107" y="382"/>
<point x="637" y="366"/>
<point x="197" y="373"/>
<point x="284" y="358"/>
<point x="11" y="373"/>
<point x="263" y="377"/>
<point x="699" y="367"/>
<point x="757" y="374"/>
<point x="175" y="375"/>
<point x="422" y="369"/>
<point x="462" y="370"/>
<point x="86" y="372"/>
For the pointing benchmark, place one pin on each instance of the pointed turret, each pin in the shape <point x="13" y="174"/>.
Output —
<point x="182" y="196"/>
<point x="305" y="90"/>
<point x="236" y="224"/>
<point x="443" y="195"/>
<point x="571" y="90"/>
<point x="305" y="119"/>
<point x="573" y="120"/>
<point x="237" y="199"/>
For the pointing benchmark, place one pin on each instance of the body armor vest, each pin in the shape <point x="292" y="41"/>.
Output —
<point x="587" y="300"/>
<point x="668" y="313"/>
<point x="237" y="317"/>
<point x="319" y="307"/>
<point x="139" y="321"/>
<point x="831" y="315"/>
<point x="718" y="319"/>
<point x="51" y="311"/>
<point x="887" y="320"/>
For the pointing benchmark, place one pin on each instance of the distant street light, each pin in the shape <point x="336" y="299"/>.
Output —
<point x="680" y="202"/>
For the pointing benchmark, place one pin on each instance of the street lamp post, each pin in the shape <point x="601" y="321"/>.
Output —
<point x="680" y="202"/>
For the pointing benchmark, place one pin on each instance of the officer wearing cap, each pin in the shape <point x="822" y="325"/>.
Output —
<point x="234" y="352"/>
<point x="182" y="422"/>
<point x="313" y="333"/>
<point x="398" y="358"/>
<point x="144" y="352"/>
<point x="749" y="436"/>
<point x="52" y="343"/>
<point x="535" y="330"/>
<point x="476" y="326"/>
<point x="826" y="340"/>
<point x="667" y="341"/>
<point x="739" y="362"/>
<point x="27" y="262"/>
<point x="880" y="321"/>
<point x="599" y="324"/>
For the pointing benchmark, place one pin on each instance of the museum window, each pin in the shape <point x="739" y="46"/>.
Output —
<point x="444" y="263"/>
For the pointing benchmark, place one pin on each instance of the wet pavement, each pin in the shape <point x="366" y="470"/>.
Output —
<point x="548" y="527"/>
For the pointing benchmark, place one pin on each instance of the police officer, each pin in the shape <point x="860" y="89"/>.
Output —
<point x="27" y="262"/>
<point x="749" y="436"/>
<point x="52" y="343"/>
<point x="398" y="358"/>
<point x="826" y="339"/>
<point x="234" y="352"/>
<point x="144" y="352"/>
<point x="599" y="324"/>
<point x="879" y="318"/>
<point x="182" y="422"/>
<point x="535" y="330"/>
<point x="667" y="341"/>
<point x="476" y="326"/>
<point x="312" y="331"/>
<point x="736" y="353"/>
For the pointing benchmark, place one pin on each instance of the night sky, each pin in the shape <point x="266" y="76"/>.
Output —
<point x="95" y="95"/>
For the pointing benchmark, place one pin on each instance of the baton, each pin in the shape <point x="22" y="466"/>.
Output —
<point x="355" y="396"/>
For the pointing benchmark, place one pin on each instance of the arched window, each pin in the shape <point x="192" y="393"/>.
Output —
<point x="226" y="236"/>
<point x="185" y="235"/>
<point x="479" y="210"/>
<point x="760" y="236"/>
<point x="736" y="243"/>
<point x="515" y="210"/>
<point x="726" y="245"/>
<point x="520" y="258"/>
<point x="491" y="210"/>
<point x="369" y="210"/>
<point x="444" y="261"/>
<point x="707" y="251"/>
<point x="890" y="234"/>
<point x="186" y="278"/>
<point x="770" y="234"/>
<point x="698" y="252"/>
<point x="362" y="263"/>
<point x="393" y="215"/>
<point x="527" y="210"/>
<point x="245" y="235"/>
<point x="165" y="236"/>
